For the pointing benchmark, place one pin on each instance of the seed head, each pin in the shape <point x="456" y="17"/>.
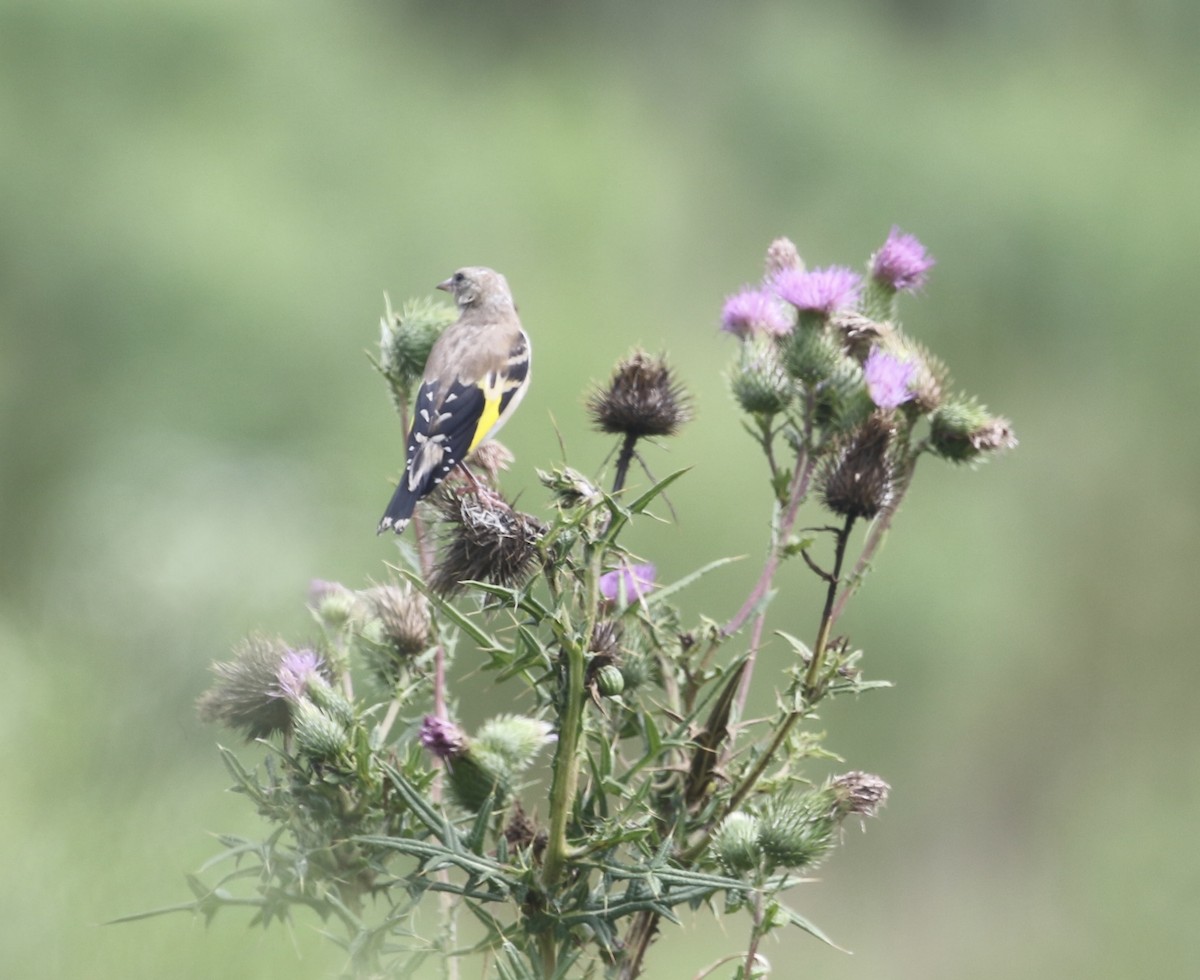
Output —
<point x="486" y="541"/>
<point x="857" y="478"/>
<point x="402" y="615"/>
<point x="642" y="399"/>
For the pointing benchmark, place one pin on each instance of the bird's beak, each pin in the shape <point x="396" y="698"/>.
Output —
<point x="447" y="285"/>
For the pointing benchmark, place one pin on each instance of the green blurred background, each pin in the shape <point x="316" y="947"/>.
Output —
<point x="203" y="204"/>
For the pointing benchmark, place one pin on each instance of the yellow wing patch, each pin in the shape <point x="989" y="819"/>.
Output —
<point x="490" y="414"/>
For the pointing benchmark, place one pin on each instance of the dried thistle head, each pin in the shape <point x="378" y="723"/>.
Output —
<point x="782" y="254"/>
<point x="520" y="830"/>
<point x="606" y="638"/>
<point x="486" y="541"/>
<point x="403" y="617"/>
<point x="857" y="478"/>
<point x="858" y="333"/>
<point x="858" y="793"/>
<point x="643" y="398"/>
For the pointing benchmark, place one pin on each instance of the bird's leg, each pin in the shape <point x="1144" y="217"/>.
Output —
<point x="478" y="487"/>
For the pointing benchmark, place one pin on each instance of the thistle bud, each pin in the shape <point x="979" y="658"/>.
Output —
<point x="735" y="843"/>
<point x="330" y="700"/>
<point x="319" y="738"/>
<point x="962" y="431"/>
<point x="475" y="778"/>
<point x="797" y="830"/>
<point x="486" y="766"/>
<point x="930" y="377"/>
<point x="331" y="603"/>
<point x="513" y="740"/>
<point x="610" y="681"/>
<point x="405" y="340"/>
<point x="811" y="355"/>
<point x="856" y="480"/>
<point x="759" y="383"/>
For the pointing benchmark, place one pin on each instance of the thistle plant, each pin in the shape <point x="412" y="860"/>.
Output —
<point x="624" y="710"/>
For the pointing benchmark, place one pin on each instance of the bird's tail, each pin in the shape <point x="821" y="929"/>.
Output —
<point x="400" y="510"/>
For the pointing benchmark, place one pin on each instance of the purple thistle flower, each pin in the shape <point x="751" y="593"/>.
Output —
<point x="821" y="291"/>
<point x="628" y="583"/>
<point x="754" y="310"/>
<point x="902" y="263"/>
<point x="295" y="669"/>
<point x="442" y="737"/>
<point x="887" y="379"/>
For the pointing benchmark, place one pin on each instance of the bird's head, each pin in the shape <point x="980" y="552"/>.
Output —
<point x="478" y="287"/>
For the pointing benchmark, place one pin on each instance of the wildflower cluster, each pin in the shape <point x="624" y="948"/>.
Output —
<point x="659" y="792"/>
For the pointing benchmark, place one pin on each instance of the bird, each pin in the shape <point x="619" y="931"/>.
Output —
<point x="474" y="379"/>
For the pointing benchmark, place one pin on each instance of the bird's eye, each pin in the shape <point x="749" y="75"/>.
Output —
<point x="459" y="278"/>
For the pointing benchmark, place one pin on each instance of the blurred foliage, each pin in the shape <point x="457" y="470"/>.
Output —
<point x="203" y="205"/>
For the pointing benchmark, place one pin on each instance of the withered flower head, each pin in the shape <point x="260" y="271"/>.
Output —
<point x="782" y="255"/>
<point x="487" y="541"/>
<point x="858" y="333"/>
<point x="859" y="793"/>
<point x="856" y="480"/>
<point x="606" y="638"/>
<point x="520" y="830"/>
<point x="642" y="399"/>
<point x="246" y="694"/>
<point x="963" y="431"/>
<point x="403" y="617"/>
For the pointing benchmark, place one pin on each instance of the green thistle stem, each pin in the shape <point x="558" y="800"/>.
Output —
<point x="565" y="780"/>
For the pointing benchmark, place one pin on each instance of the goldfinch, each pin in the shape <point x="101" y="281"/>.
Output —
<point x="476" y="375"/>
